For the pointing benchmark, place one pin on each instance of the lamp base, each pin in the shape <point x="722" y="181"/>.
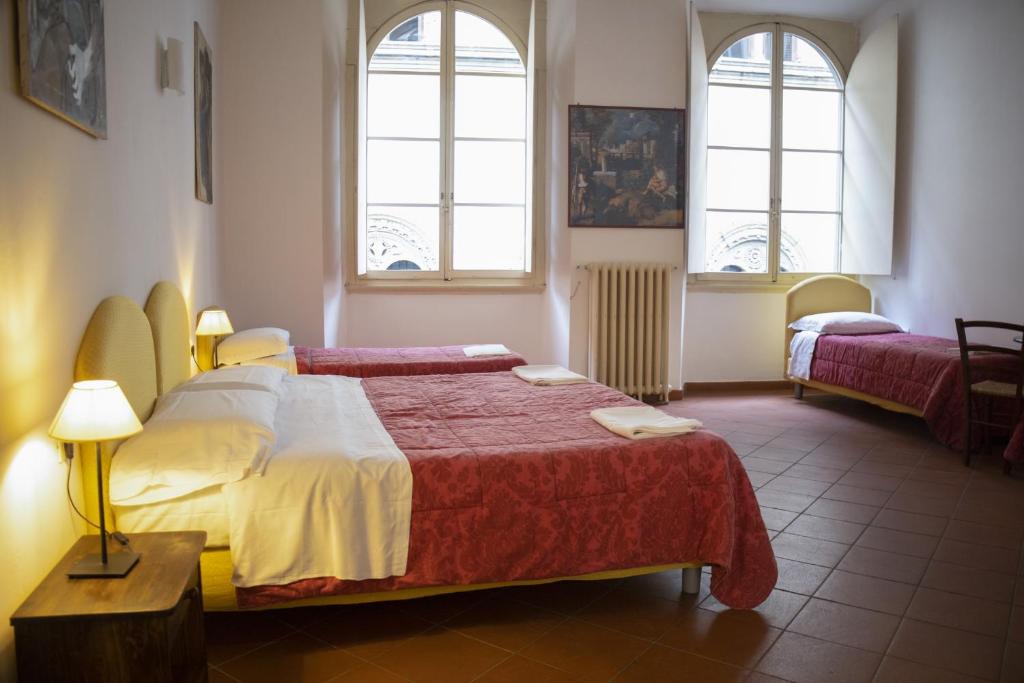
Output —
<point x="92" y="566"/>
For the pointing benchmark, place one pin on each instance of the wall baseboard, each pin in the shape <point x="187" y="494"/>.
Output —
<point x="703" y="388"/>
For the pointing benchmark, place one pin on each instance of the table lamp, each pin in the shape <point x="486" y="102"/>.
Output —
<point x="97" y="411"/>
<point x="214" y="322"/>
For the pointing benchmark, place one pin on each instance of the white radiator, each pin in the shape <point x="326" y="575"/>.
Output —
<point x="629" y="314"/>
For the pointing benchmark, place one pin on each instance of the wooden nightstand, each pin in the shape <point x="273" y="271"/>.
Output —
<point x="147" y="626"/>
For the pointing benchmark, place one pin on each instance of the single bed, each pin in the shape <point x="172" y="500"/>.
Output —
<point x="402" y="361"/>
<point x="898" y="371"/>
<point x="515" y="484"/>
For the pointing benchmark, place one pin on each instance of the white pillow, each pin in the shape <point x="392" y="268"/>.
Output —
<point x="845" y="322"/>
<point x="255" y="343"/>
<point x="243" y="376"/>
<point x="285" y="361"/>
<point x="194" y="440"/>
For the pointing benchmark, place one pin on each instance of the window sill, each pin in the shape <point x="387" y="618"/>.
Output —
<point x="434" y="286"/>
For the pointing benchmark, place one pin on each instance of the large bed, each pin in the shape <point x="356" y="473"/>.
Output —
<point x="513" y="483"/>
<point x="907" y="373"/>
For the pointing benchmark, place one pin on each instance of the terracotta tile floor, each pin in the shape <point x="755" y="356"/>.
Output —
<point x="895" y="564"/>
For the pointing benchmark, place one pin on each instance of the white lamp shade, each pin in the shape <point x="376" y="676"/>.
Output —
<point x="214" y="321"/>
<point x="95" y="410"/>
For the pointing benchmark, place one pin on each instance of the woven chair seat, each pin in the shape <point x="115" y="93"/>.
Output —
<point x="993" y="388"/>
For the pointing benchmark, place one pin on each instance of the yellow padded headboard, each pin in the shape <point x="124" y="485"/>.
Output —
<point x="118" y="345"/>
<point x="168" y="318"/>
<point x="824" y="294"/>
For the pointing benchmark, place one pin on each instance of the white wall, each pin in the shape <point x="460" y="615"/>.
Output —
<point x="733" y="336"/>
<point x="959" y="236"/>
<point x="561" y="61"/>
<point x="627" y="54"/>
<point x="82" y="219"/>
<point x="272" y="191"/>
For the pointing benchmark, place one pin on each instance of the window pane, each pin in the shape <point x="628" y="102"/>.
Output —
<point x="747" y="61"/>
<point x="810" y="181"/>
<point x="402" y="105"/>
<point x="413" y="45"/>
<point x="805" y="66"/>
<point x="490" y="238"/>
<point x="739" y="117"/>
<point x="490" y="107"/>
<point x="737" y="179"/>
<point x="490" y="172"/>
<point x="812" y="120"/>
<point x="737" y="242"/>
<point x="404" y="172"/>
<point x="402" y="238"/>
<point x="481" y="47"/>
<point x="809" y="242"/>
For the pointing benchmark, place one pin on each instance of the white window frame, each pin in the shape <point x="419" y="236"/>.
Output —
<point x="446" y="277"/>
<point x="773" y="276"/>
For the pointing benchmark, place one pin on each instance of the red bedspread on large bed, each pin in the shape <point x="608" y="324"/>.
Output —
<point x="386" y="362"/>
<point x="915" y="370"/>
<point x="513" y="481"/>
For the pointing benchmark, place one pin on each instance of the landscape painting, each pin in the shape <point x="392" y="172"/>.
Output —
<point x="626" y="167"/>
<point x="204" y="118"/>
<point x="62" y="63"/>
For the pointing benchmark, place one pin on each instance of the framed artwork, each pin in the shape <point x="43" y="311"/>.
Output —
<point x="204" y="118"/>
<point x="62" y="63"/>
<point x="626" y="167"/>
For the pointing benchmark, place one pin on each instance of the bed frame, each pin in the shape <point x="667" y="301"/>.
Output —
<point x="824" y="294"/>
<point x="147" y="353"/>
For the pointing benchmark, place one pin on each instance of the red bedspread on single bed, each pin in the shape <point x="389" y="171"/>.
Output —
<point x="912" y="369"/>
<point x="513" y="481"/>
<point x="385" y="362"/>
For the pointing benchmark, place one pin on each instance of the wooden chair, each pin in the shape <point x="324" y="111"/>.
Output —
<point x="989" y="389"/>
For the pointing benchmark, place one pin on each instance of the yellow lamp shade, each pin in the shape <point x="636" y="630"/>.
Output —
<point x="95" y="410"/>
<point x="214" y="321"/>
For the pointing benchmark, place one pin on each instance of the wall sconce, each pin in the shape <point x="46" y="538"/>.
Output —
<point x="172" y="67"/>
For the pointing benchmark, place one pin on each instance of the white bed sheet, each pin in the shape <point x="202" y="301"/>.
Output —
<point x="205" y="510"/>
<point x="286" y="361"/>
<point x="335" y="498"/>
<point x="801" y="353"/>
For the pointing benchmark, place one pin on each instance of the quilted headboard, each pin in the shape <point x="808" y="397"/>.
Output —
<point x="118" y="345"/>
<point x="824" y="294"/>
<point x="168" y="318"/>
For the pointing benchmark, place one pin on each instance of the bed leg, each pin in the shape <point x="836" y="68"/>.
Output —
<point x="798" y="391"/>
<point x="691" y="581"/>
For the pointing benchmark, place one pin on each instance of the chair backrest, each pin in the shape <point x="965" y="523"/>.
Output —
<point x="966" y="348"/>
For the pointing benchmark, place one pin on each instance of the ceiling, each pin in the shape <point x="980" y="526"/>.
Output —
<point x="838" y="10"/>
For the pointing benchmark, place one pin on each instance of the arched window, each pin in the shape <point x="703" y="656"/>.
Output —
<point x="775" y="155"/>
<point x="446" y="149"/>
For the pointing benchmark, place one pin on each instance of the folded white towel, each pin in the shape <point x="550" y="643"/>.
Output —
<point x="548" y="375"/>
<point x="643" y="422"/>
<point x="482" y="350"/>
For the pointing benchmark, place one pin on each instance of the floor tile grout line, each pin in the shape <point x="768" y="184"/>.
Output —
<point x="904" y="618"/>
<point x="224" y="673"/>
<point x="880" y="655"/>
<point x="258" y="647"/>
<point x="929" y="666"/>
<point x="491" y="668"/>
<point x="832" y="570"/>
<point x="750" y="668"/>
